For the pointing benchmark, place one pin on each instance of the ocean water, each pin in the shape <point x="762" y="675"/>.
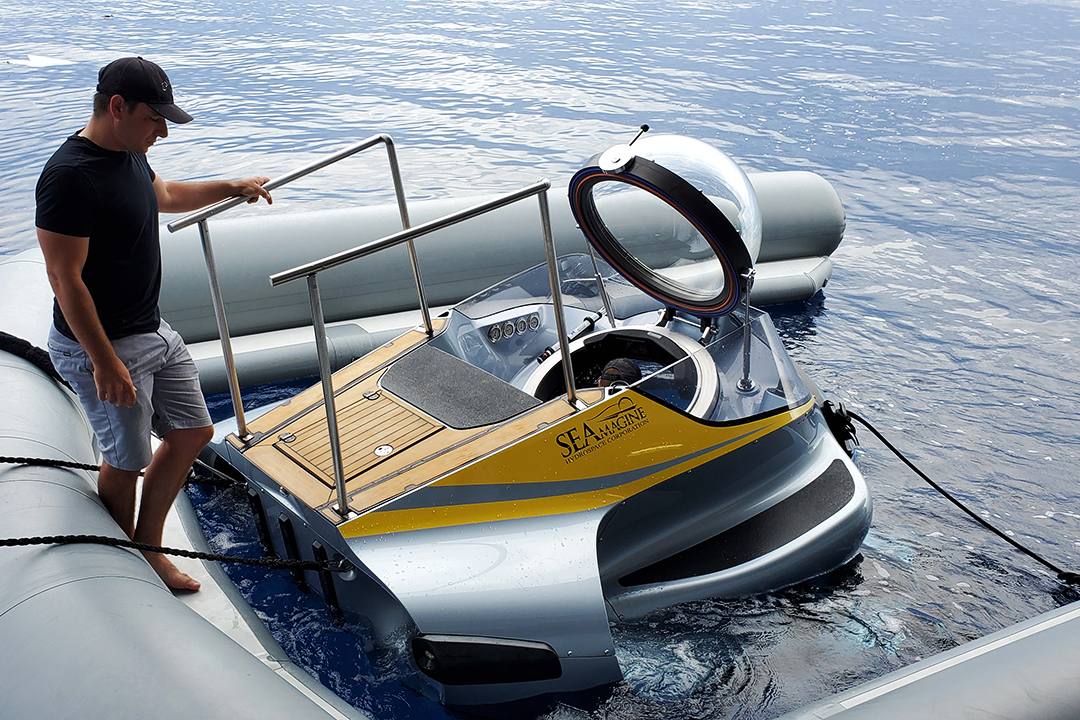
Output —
<point x="951" y="130"/>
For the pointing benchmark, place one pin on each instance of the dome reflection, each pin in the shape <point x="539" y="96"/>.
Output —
<point x="675" y="216"/>
<point x="714" y="173"/>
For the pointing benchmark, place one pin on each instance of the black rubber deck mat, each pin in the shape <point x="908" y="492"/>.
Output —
<point x="452" y="391"/>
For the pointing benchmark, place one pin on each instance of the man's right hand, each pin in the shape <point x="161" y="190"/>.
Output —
<point x="114" y="384"/>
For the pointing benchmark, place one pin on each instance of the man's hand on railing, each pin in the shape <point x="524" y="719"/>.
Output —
<point x="256" y="189"/>
<point x="252" y="187"/>
<point x="185" y="196"/>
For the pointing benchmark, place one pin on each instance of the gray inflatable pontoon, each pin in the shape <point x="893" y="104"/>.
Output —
<point x="369" y="303"/>
<point x="89" y="631"/>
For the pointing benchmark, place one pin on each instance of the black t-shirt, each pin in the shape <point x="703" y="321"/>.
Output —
<point x="107" y="196"/>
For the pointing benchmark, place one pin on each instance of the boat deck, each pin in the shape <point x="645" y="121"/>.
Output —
<point x="389" y="447"/>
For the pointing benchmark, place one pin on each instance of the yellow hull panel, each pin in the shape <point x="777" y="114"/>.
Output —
<point x="632" y="441"/>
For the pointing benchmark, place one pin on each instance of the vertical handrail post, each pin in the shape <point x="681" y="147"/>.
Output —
<point x="600" y="286"/>
<point x="556" y="297"/>
<point x="223" y="331"/>
<point x="746" y="383"/>
<point x="403" y="209"/>
<point x="325" y="376"/>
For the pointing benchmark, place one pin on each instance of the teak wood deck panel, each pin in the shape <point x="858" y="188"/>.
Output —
<point x="364" y="425"/>
<point x="415" y="448"/>
<point x="424" y="450"/>
<point x="444" y="453"/>
<point x="350" y="373"/>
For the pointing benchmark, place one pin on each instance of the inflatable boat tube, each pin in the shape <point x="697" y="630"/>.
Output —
<point x="803" y="222"/>
<point x="89" y="631"/>
<point x="1027" y="671"/>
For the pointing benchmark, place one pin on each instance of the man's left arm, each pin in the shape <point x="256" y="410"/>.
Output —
<point x="179" y="197"/>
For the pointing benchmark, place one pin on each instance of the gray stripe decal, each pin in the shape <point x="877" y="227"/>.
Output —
<point x="441" y="496"/>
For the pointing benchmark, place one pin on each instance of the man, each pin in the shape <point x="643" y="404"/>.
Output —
<point x="97" y="224"/>
<point x="619" y="370"/>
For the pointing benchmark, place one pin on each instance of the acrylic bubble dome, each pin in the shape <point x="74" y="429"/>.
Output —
<point x="676" y="216"/>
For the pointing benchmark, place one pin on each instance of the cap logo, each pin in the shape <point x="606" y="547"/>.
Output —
<point x="139" y="80"/>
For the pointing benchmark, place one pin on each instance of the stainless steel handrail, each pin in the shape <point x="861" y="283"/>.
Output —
<point x="332" y="261"/>
<point x="202" y="216"/>
<point x="220" y="207"/>
<point x="311" y="270"/>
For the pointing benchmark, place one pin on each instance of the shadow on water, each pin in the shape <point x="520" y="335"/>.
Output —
<point x="342" y="655"/>
<point x="796" y="322"/>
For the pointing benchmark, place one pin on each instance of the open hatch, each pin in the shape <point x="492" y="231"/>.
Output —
<point x="697" y="251"/>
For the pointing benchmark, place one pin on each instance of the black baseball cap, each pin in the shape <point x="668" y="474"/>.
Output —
<point x="138" y="80"/>
<point x="623" y="369"/>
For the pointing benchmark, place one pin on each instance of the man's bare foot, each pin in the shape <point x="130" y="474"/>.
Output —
<point x="170" y="574"/>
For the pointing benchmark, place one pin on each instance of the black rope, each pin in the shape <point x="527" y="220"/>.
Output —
<point x="276" y="563"/>
<point x="40" y="358"/>
<point x="219" y="479"/>
<point x="842" y="416"/>
<point x="341" y="566"/>
<point x="49" y="462"/>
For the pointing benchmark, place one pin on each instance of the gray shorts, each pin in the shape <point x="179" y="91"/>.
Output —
<point x="167" y="393"/>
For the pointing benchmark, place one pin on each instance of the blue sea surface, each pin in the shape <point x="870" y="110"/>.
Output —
<point x="951" y="130"/>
